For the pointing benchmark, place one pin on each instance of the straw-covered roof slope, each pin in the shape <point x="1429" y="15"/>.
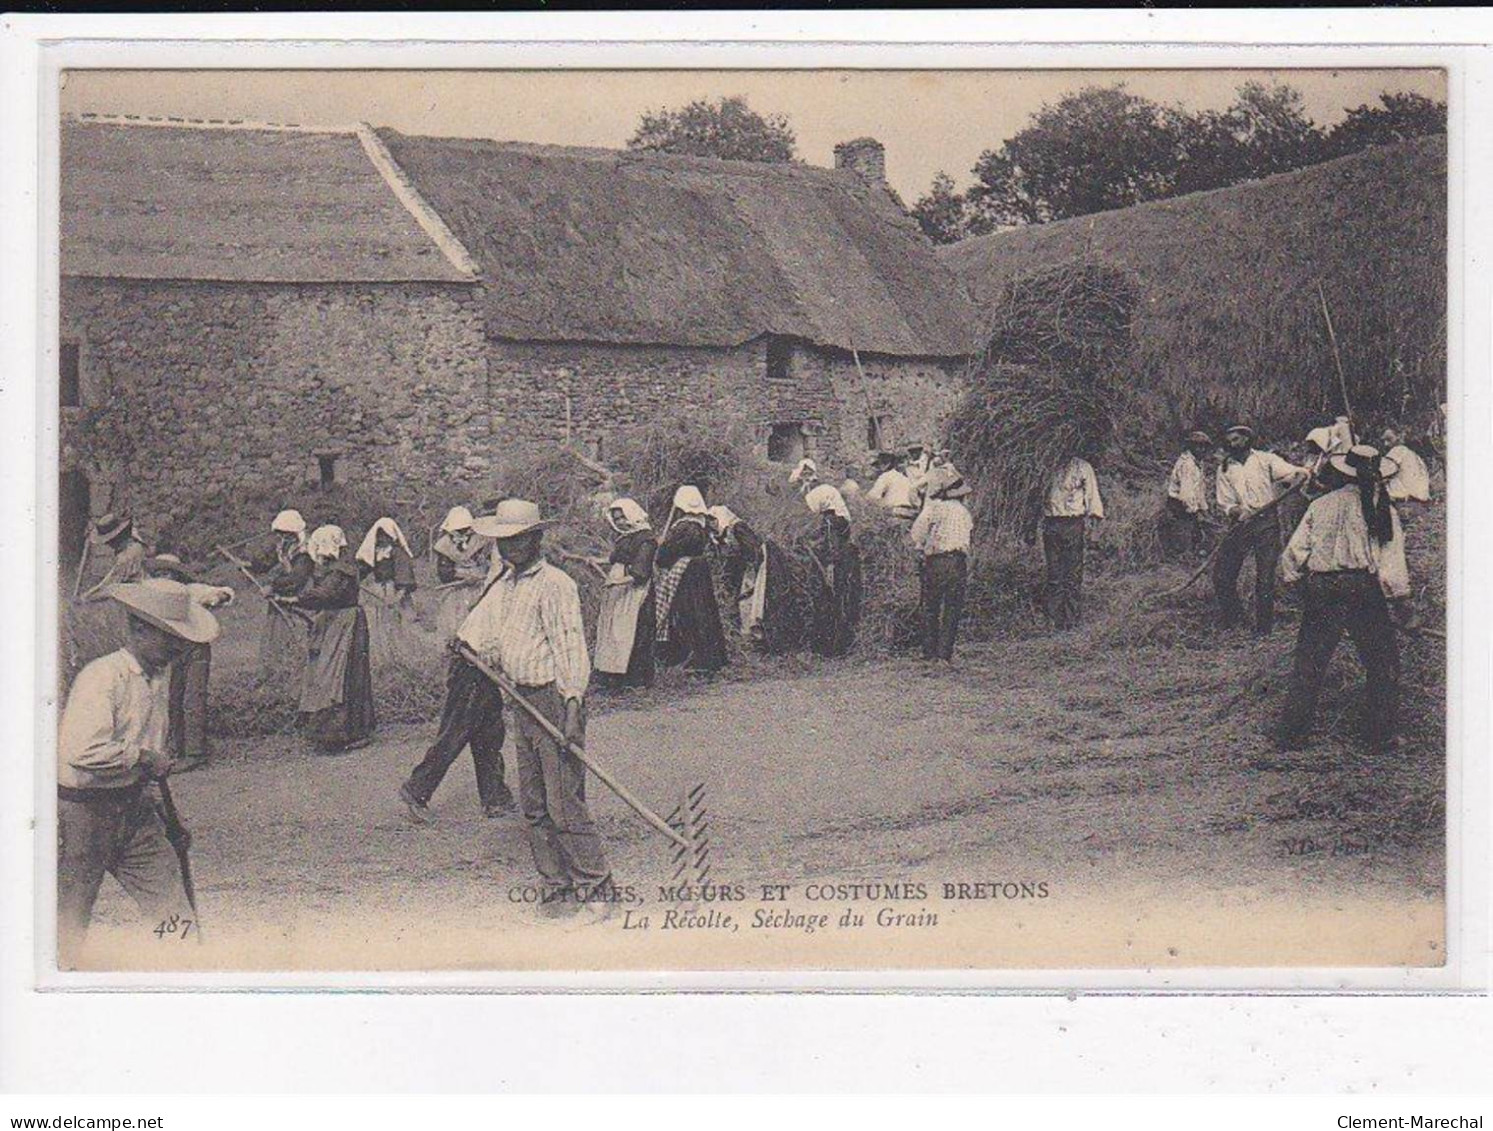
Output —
<point x="611" y="246"/>
<point x="1230" y="313"/>
<point x="237" y="204"/>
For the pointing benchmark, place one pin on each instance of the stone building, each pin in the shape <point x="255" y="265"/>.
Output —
<point x="245" y="304"/>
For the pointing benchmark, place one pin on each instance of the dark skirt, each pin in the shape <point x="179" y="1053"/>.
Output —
<point x="640" y="661"/>
<point x="784" y="610"/>
<point x="835" y="591"/>
<point x="696" y="638"/>
<point x="186" y="728"/>
<point x="351" y="720"/>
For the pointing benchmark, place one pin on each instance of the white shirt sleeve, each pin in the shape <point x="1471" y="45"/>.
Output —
<point x="1228" y="496"/>
<point x="1298" y="549"/>
<point x="1094" y="505"/>
<point x="86" y="737"/>
<point x="922" y="526"/>
<point x="1283" y="470"/>
<point x="1174" y="481"/>
<point x="1390" y="565"/>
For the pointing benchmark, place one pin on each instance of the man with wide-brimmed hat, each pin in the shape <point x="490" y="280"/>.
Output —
<point x="117" y="533"/>
<point x="942" y="533"/>
<point x="528" y="625"/>
<point x="111" y="746"/>
<point x="1187" y="497"/>
<point x="1348" y="553"/>
<point x="1250" y="483"/>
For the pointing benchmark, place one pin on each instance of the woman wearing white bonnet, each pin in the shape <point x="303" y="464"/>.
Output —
<point x="834" y="574"/>
<point x="462" y="558"/>
<point x="284" y="569"/>
<point x="386" y="569"/>
<point x="805" y="475"/>
<point x="687" y="616"/>
<point x="626" y="623"/>
<point x="336" y="708"/>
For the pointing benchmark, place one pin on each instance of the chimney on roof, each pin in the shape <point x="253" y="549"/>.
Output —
<point x="865" y="157"/>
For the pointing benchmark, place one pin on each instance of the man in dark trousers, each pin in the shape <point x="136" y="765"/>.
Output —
<point x="1072" y="500"/>
<point x="472" y="716"/>
<point x="1348" y="554"/>
<point x="942" y="532"/>
<point x="1187" y="499"/>
<point x="528" y="625"/>
<point x="111" y="746"/>
<point x="1250" y="482"/>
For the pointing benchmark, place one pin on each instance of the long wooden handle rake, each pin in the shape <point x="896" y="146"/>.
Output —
<point x="686" y="827"/>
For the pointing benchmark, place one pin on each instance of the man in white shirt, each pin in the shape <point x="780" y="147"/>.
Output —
<point x="111" y="746"/>
<point x="528" y="625"/>
<point x="892" y="488"/>
<point x="942" y="532"/>
<point x="1348" y="553"/>
<point x="1250" y="482"/>
<point x="1187" y="498"/>
<point x="1072" y="499"/>
<point x="1411" y="481"/>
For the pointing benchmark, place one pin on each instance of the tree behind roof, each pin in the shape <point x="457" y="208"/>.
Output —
<point x="727" y="128"/>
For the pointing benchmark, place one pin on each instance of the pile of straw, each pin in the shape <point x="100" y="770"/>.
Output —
<point x="1044" y="389"/>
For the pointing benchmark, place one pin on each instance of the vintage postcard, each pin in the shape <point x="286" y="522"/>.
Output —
<point x="608" y="521"/>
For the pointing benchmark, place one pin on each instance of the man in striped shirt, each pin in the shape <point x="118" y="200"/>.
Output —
<point x="941" y="531"/>
<point x="528" y="624"/>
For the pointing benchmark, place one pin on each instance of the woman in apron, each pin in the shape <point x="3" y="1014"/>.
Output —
<point x="461" y="561"/>
<point x="336" y="709"/>
<point x="626" y="623"/>
<point x="688" y="618"/>
<point x="285" y="569"/>
<point x="763" y="580"/>
<point x="386" y="569"/>
<point x="835" y="574"/>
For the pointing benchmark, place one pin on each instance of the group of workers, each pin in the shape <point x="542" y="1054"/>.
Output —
<point x="137" y="713"/>
<point x="1341" y="503"/>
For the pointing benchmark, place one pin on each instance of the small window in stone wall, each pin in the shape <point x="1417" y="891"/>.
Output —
<point x="785" y="443"/>
<point x="326" y="466"/>
<point x="877" y="429"/>
<point x="779" y="354"/>
<point x="69" y="377"/>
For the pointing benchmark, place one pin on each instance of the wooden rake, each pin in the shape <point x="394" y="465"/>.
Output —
<point x="685" y="829"/>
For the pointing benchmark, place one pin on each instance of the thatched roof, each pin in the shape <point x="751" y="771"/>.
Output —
<point x="1230" y="314"/>
<point x="611" y="246"/>
<point x="1391" y="199"/>
<point x="156" y="201"/>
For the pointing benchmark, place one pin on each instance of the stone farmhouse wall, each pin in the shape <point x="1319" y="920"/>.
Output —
<point x="193" y="391"/>
<point x="196" y="389"/>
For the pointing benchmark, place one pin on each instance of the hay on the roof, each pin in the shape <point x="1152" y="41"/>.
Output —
<point x="1231" y="324"/>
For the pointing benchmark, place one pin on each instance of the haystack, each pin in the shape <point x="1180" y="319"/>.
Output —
<point x="1045" y="387"/>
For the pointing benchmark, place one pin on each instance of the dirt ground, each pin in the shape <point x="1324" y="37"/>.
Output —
<point x="1129" y="782"/>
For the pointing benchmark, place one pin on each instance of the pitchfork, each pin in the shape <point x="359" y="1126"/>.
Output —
<point x="685" y="829"/>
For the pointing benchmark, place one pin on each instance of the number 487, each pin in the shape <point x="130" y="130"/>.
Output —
<point x="175" y="925"/>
